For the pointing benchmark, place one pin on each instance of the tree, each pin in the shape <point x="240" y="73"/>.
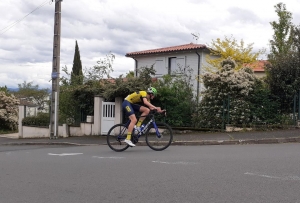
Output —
<point x="8" y="110"/>
<point x="102" y="69"/>
<point x="5" y="89"/>
<point x="76" y="74"/>
<point x="230" y="47"/>
<point x="296" y="40"/>
<point x="130" y="74"/>
<point x="77" y="100"/>
<point x="263" y="105"/>
<point x="282" y="41"/>
<point x="33" y="93"/>
<point x="283" y="71"/>
<point x="283" y="78"/>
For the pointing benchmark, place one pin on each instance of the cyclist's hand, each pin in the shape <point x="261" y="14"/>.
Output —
<point x="154" y="110"/>
<point x="162" y="111"/>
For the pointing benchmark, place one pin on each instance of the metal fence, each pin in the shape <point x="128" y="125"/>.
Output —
<point x="266" y="116"/>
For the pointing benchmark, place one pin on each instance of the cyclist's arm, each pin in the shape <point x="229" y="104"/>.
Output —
<point x="147" y="103"/>
<point x="152" y="107"/>
<point x="159" y="110"/>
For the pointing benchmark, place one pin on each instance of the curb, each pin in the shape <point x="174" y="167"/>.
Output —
<point x="235" y="142"/>
<point x="178" y="143"/>
<point x="47" y="143"/>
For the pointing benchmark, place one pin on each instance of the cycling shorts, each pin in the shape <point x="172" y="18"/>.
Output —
<point x="130" y="108"/>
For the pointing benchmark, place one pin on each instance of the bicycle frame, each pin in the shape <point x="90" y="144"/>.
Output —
<point x="158" y="136"/>
<point x="152" y="120"/>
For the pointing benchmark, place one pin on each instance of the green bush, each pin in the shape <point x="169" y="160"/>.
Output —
<point x="42" y="119"/>
<point x="175" y="94"/>
<point x="265" y="107"/>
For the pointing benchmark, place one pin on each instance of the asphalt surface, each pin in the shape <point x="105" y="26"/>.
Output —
<point x="251" y="173"/>
<point x="180" y="138"/>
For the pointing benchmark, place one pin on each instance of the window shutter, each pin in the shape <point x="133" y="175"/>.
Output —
<point x="180" y="63"/>
<point x="159" y="66"/>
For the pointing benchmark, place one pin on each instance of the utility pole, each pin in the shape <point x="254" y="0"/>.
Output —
<point x="55" y="72"/>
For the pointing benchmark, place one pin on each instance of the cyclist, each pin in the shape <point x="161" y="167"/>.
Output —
<point x="130" y="105"/>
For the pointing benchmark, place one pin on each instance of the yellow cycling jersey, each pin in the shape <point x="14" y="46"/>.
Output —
<point x="136" y="97"/>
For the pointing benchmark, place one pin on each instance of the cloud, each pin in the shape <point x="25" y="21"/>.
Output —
<point x="243" y="16"/>
<point x="119" y="27"/>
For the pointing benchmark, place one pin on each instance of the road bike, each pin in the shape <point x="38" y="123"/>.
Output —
<point x="158" y="135"/>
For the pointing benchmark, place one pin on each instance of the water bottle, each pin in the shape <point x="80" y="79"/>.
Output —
<point x="142" y="127"/>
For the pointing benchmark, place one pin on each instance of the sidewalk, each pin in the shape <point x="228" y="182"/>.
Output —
<point x="189" y="138"/>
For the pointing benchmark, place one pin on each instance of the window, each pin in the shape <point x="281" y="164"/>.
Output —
<point x="176" y="65"/>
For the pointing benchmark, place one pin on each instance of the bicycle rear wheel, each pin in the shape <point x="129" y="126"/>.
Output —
<point x="161" y="141"/>
<point x="115" y="137"/>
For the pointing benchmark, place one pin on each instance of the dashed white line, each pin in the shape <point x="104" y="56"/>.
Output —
<point x="64" y="154"/>
<point x="110" y="157"/>
<point x="297" y="178"/>
<point x="178" y="162"/>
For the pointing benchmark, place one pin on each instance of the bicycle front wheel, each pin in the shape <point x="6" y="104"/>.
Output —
<point x="116" y="136"/>
<point x="160" y="139"/>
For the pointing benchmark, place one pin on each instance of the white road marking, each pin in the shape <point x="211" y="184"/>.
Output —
<point x="109" y="157"/>
<point x="274" y="177"/>
<point x="64" y="154"/>
<point x="178" y="162"/>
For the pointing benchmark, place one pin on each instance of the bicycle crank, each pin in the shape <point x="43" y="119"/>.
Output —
<point x="134" y="139"/>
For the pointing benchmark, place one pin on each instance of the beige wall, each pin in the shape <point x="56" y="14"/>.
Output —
<point x="93" y="128"/>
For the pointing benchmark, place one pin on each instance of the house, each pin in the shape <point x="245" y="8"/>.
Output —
<point x="258" y="67"/>
<point x="170" y="60"/>
<point x="31" y="108"/>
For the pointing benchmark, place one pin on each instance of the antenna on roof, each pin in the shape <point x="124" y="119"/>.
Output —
<point x="196" y="36"/>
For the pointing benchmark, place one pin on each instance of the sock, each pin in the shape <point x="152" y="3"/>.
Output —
<point x="128" y="136"/>
<point x="139" y="123"/>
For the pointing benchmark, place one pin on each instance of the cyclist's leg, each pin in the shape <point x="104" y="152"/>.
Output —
<point x="127" y="107"/>
<point x="145" y="111"/>
<point x="133" y="120"/>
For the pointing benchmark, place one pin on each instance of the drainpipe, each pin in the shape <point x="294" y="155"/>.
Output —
<point x="198" y="83"/>
<point x="136" y="67"/>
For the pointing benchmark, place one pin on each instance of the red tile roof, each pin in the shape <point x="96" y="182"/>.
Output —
<point x="184" y="47"/>
<point x="258" y="66"/>
<point x="113" y="80"/>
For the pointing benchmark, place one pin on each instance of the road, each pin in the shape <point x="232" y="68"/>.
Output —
<point x="94" y="174"/>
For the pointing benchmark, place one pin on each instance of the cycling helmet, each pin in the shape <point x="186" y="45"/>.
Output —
<point x="152" y="90"/>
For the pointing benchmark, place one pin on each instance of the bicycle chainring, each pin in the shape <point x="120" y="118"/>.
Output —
<point x="134" y="139"/>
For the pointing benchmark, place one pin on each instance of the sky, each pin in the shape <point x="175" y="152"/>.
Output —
<point x="119" y="27"/>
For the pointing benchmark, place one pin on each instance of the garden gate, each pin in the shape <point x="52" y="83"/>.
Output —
<point x="107" y="117"/>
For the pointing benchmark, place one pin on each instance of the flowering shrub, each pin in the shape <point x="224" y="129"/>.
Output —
<point x="227" y="83"/>
<point x="8" y="111"/>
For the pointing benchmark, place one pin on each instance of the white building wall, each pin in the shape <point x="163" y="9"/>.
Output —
<point x="191" y="61"/>
<point x="145" y="62"/>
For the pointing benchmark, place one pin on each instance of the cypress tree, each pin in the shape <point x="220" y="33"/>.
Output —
<point x="76" y="74"/>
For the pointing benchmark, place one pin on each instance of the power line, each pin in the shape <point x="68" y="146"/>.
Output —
<point x="5" y="29"/>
